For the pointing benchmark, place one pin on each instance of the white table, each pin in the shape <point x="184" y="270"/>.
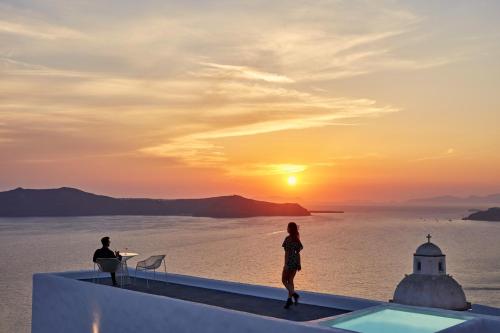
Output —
<point x="125" y="257"/>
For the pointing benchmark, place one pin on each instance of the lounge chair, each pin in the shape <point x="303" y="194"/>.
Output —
<point x="109" y="265"/>
<point x="151" y="264"/>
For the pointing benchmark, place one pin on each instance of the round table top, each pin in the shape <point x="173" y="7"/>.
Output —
<point x="128" y="255"/>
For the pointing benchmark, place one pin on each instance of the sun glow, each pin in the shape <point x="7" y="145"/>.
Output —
<point x="292" y="180"/>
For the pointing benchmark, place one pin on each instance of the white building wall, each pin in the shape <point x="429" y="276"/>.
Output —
<point x="429" y="265"/>
<point x="63" y="304"/>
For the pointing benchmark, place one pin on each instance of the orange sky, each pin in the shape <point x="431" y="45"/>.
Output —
<point x="375" y="102"/>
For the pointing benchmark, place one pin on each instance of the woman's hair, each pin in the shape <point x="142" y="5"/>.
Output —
<point x="293" y="230"/>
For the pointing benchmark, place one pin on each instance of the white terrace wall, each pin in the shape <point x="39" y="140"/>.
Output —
<point x="62" y="304"/>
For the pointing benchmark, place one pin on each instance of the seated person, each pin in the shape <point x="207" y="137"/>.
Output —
<point x="105" y="252"/>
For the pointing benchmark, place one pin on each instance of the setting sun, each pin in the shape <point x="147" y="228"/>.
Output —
<point x="292" y="180"/>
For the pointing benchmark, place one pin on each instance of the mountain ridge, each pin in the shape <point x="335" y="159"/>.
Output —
<point x="68" y="201"/>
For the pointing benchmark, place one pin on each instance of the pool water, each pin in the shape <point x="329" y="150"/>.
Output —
<point x="396" y="321"/>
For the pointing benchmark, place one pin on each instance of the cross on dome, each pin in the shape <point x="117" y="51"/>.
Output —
<point x="428" y="238"/>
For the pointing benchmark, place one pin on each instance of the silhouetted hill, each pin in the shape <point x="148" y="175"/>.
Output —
<point x="67" y="201"/>
<point x="492" y="214"/>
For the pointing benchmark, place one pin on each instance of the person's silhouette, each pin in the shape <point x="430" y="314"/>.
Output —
<point x="292" y="246"/>
<point x="105" y="252"/>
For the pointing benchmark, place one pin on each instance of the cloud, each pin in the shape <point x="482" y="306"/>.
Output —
<point x="39" y="30"/>
<point x="175" y="79"/>
<point x="450" y="152"/>
<point x="223" y="108"/>
<point x="14" y="67"/>
<point x="4" y="134"/>
<point x="190" y="151"/>
<point x="262" y="109"/>
<point x="261" y="169"/>
<point x="241" y="72"/>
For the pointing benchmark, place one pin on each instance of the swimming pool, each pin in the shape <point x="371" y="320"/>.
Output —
<point x="393" y="320"/>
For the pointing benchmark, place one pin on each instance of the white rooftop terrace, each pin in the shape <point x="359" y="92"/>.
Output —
<point x="71" y="302"/>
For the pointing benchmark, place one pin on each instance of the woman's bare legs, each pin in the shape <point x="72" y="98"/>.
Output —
<point x="287" y="279"/>
<point x="284" y="278"/>
<point x="291" y="286"/>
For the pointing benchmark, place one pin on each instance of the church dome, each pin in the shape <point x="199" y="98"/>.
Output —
<point x="428" y="249"/>
<point x="429" y="285"/>
<point x="439" y="291"/>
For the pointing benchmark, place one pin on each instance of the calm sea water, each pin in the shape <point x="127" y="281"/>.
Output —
<point x="364" y="252"/>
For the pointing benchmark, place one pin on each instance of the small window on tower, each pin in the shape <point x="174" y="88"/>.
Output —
<point x="440" y="265"/>
<point x="419" y="266"/>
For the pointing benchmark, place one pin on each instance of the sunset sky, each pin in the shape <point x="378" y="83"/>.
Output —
<point x="358" y="100"/>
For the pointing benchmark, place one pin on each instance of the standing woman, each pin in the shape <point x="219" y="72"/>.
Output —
<point x="292" y="246"/>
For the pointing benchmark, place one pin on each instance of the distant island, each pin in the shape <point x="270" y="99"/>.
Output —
<point x="68" y="201"/>
<point x="491" y="214"/>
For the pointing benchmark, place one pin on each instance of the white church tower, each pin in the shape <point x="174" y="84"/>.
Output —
<point x="428" y="259"/>
<point x="429" y="285"/>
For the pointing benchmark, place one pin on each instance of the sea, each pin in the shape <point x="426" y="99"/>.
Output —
<point x="363" y="252"/>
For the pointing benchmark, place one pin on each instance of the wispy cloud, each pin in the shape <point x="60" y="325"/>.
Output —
<point x="14" y="67"/>
<point x="450" y="152"/>
<point x="262" y="169"/>
<point x="4" y="134"/>
<point x="39" y="30"/>
<point x="220" y="71"/>
<point x="284" y="110"/>
<point x="175" y="80"/>
<point x="191" y="151"/>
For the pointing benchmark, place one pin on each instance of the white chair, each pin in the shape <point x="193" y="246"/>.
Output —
<point x="109" y="265"/>
<point x="151" y="264"/>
